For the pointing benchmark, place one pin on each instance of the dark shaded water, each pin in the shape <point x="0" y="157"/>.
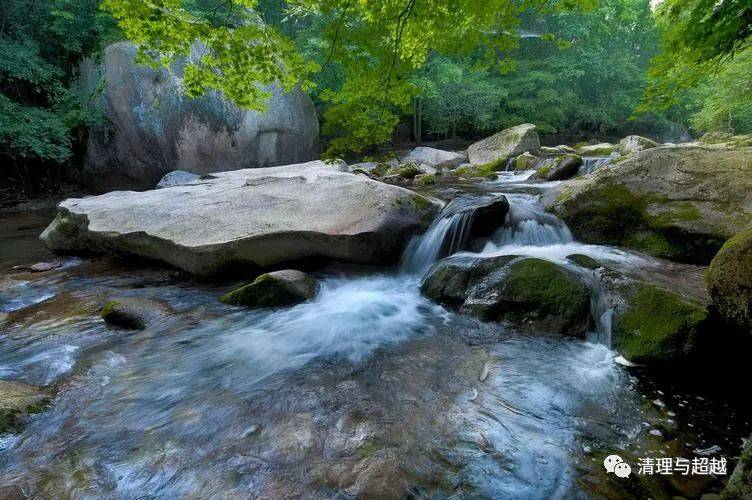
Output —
<point x="368" y="390"/>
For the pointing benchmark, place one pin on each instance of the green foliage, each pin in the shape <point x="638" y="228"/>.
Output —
<point x="228" y="46"/>
<point x="588" y="82"/>
<point x="40" y="45"/>
<point x="704" y="67"/>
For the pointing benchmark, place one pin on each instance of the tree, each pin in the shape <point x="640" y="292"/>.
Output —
<point x="40" y="113"/>
<point x="376" y="45"/>
<point x="701" y="40"/>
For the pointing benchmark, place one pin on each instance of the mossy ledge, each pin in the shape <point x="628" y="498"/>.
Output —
<point x="658" y="326"/>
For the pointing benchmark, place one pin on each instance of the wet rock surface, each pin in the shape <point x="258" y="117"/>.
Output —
<point x="278" y="288"/>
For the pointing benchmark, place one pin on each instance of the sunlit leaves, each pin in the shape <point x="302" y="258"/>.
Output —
<point x="227" y="46"/>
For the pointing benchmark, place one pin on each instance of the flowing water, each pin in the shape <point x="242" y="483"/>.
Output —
<point x="592" y="163"/>
<point x="367" y="390"/>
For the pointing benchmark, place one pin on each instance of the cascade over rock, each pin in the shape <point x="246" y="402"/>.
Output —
<point x="678" y="202"/>
<point x="255" y="217"/>
<point x="509" y="142"/>
<point x="151" y="128"/>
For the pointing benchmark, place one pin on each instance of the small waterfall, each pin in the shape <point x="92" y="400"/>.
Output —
<point x="448" y="234"/>
<point x="592" y="163"/>
<point x="526" y="226"/>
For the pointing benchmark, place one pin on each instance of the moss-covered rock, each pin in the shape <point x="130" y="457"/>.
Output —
<point x="657" y="326"/>
<point x="739" y="486"/>
<point x="425" y="180"/>
<point x="525" y="161"/>
<point x="17" y="400"/>
<point x="505" y="144"/>
<point x="730" y="280"/>
<point x="584" y="261"/>
<point x="532" y="293"/>
<point x="486" y="171"/>
<point x="602" y="149"/>
<point x="135" y="313"/>
<point x="680" y="202"/>
<point x="276" y="289"/>
<point x="560" y="168"/>
<point x="407" y="171"/>
<point x="544" y="296"/>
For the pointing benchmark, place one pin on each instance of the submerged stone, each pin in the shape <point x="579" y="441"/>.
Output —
<point x="730" y="280"/>
<point x="134" y="313"/>
<point x="17" y="400"/>
<point x="657" y="326"/>
<point x="278" y="288"/>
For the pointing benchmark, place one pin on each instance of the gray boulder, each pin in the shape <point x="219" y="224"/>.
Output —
<point x="433" y="157"/>
<point x="177" y="177"/>
<point x="257" y="217"/>
<point x="677" y="202"/>
<point x="634" y="144"/>
<point x="151" y="128"/>
<point x="509" y="142"/>
<point x="601" y="149"/>
<point x="279" y="288"/>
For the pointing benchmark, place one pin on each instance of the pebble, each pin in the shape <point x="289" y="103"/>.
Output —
<point x="656" y="432"/>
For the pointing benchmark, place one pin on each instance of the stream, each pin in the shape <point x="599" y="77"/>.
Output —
<point x="368" y="390"/>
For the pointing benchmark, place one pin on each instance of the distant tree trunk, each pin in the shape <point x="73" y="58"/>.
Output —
<point x="417" y="120"/>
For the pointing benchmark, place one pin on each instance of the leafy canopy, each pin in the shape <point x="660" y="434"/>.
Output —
<point x="375" y="45"/>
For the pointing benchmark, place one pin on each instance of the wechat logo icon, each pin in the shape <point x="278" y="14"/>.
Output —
<point x="615" y="465"/>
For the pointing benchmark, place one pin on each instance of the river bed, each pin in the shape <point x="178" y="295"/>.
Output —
<point x="367" y="390"/>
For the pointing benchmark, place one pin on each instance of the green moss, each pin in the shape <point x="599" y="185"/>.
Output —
<point x="487" y="171"/>
<point x="425" y="180"/>
<point x="584" y="261"/>
<point x="406" y="171"/>
<point x="265" y="291"/>
<point x="740" y="483"/>
<point x="551" y="289"/>
<point x="612" y="214"/>
<point x="683" y="211"/>
<point x="658" y="326"/>
<point x="380" y="170"/>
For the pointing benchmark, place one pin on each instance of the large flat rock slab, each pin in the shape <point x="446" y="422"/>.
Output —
<point x="258" y="217"/>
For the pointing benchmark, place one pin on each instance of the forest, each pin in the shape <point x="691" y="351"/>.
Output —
<point x="380" y="71"/>
<point x="393" y="249"/>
